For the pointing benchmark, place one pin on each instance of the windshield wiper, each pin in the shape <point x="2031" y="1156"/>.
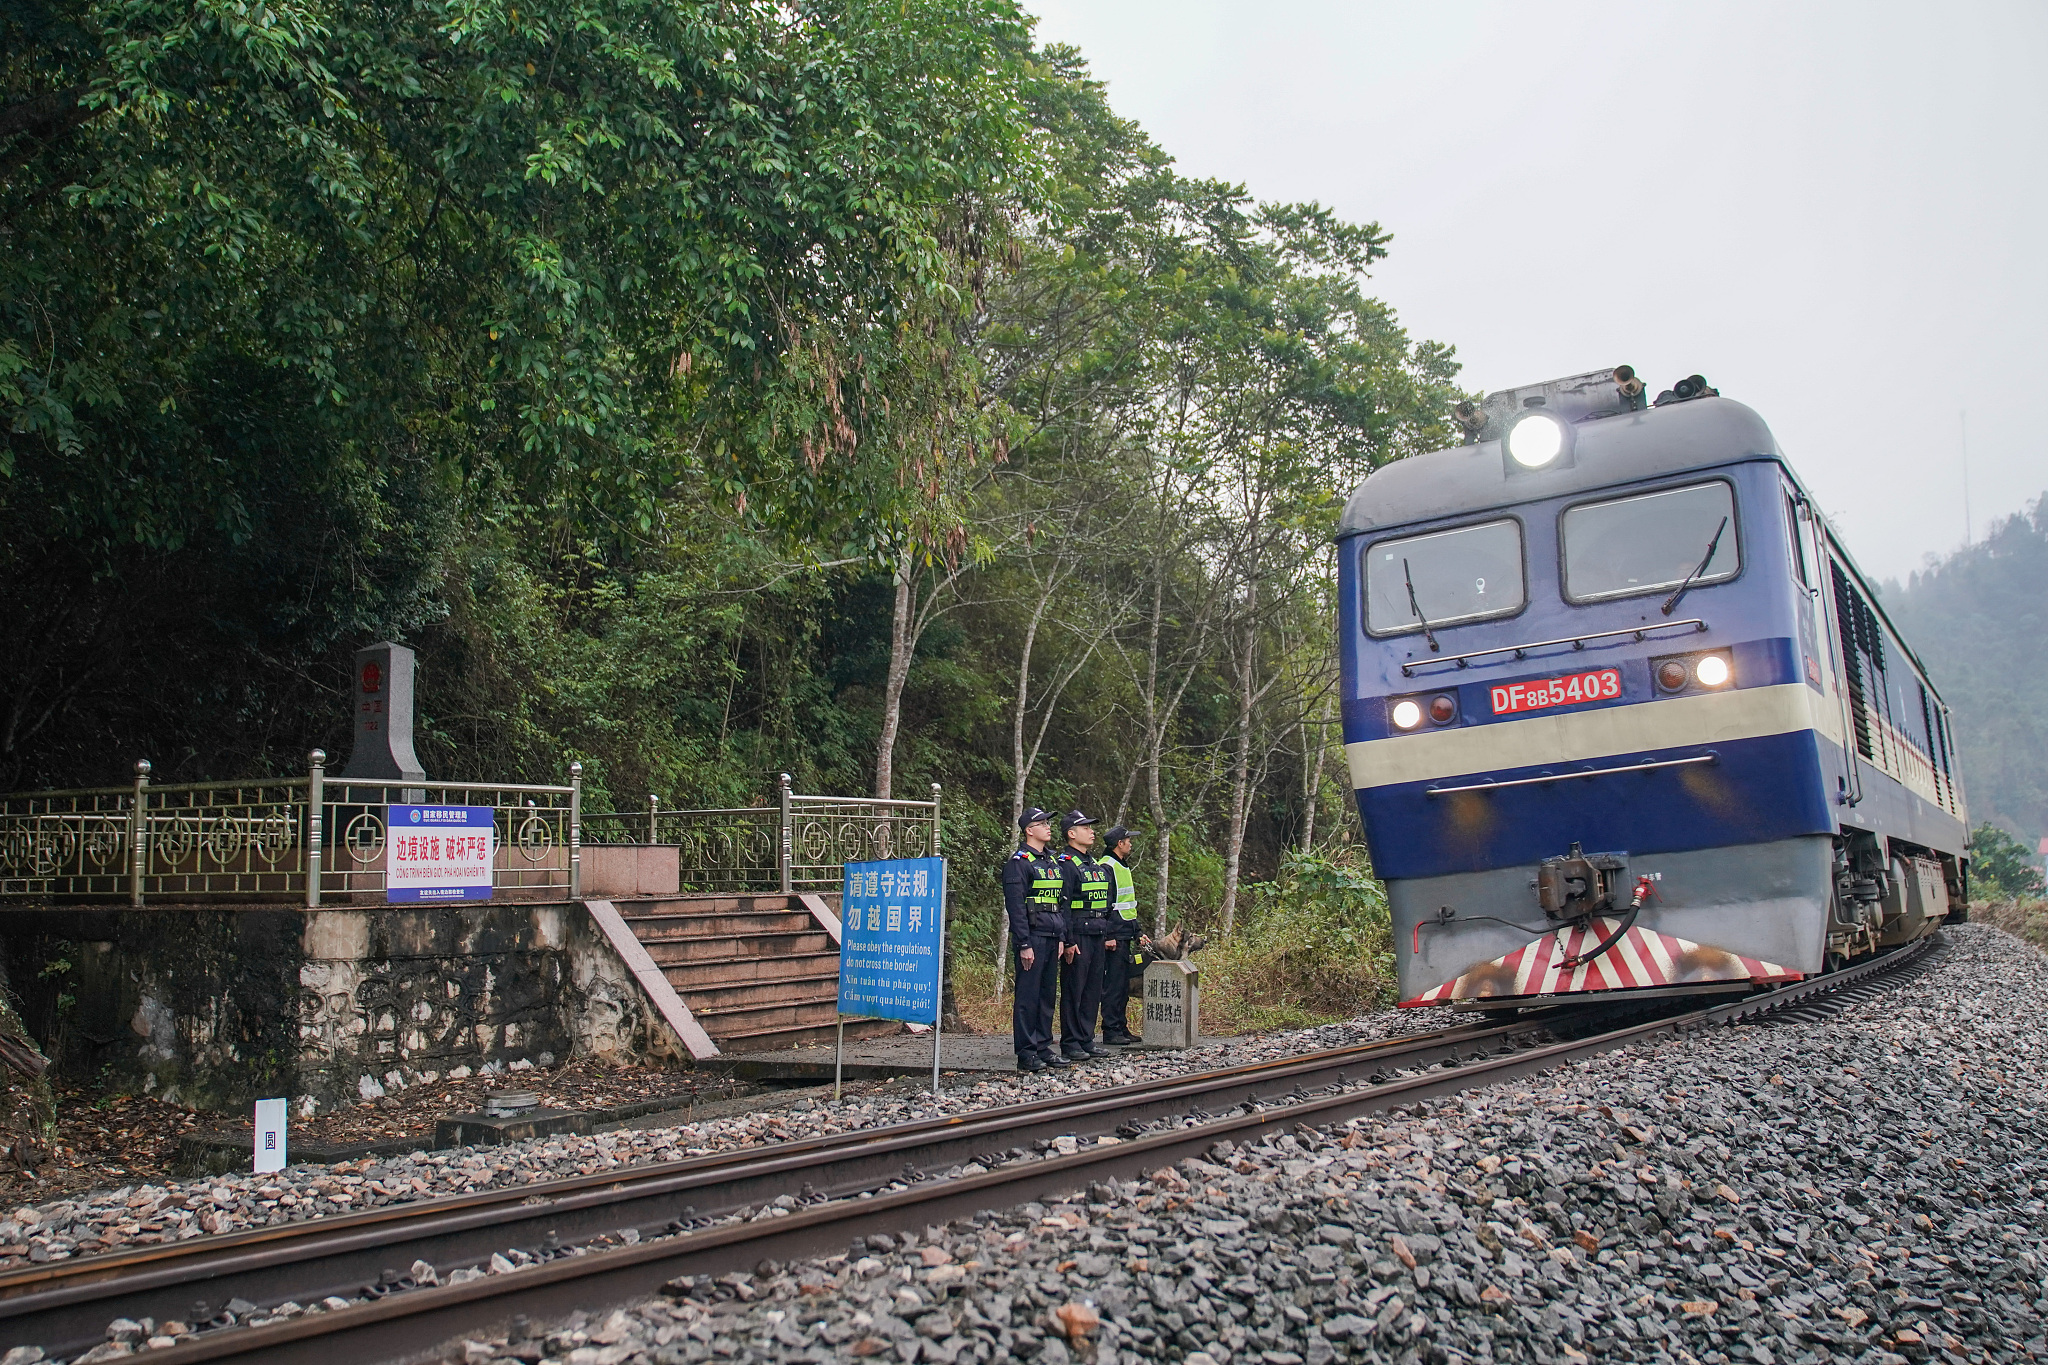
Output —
<point x="1671" y="602"/>
<point x="1416" y="607"/>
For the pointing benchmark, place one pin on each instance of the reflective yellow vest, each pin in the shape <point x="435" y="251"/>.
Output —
<point x="1126" y="903"/>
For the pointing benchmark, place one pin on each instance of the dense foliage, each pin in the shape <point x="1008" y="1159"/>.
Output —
<point x="1316" y="941"/>
<point x="1979" y="621"/>
<point x="705" y="391"/>
<point x="297" y="298"/>
<point x="2001" y="868"/>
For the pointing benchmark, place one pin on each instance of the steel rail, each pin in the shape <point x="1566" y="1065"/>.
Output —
<point x="66" y="1305"/>
<point x="417" y="1324"/>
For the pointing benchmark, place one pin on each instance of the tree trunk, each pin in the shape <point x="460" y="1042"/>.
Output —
<point x="1020" y="773"/>
<point x="1163" y="834"/>
<point x="901" y="643"/>
<point x="1165" y="866"/>
<point x="1241" y="766"/>
<point x="1154" y="742"/>
<point x="1321" y="730"/>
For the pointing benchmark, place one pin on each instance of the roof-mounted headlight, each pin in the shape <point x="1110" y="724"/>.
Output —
<point x="1536" y="439"/>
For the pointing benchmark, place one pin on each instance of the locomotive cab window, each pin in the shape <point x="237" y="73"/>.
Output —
<point x="1798" y="541"/>
<point x="1445" y="578"/>
<point x="1650" y="542"/>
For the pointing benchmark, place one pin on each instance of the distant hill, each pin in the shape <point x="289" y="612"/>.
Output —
<point x="1979" y="621"/>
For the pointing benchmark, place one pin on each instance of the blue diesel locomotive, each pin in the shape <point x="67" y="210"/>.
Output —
<point x="1623" y="716"/>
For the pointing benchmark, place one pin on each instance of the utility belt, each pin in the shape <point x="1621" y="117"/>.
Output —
<point x="1044" y="920"/>
<point x="1092" y="926"/>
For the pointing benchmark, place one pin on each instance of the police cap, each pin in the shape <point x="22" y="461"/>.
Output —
<point x="1073" y="818"/>
<point x="1032" y="816"/>
<point x="1117" y="834"/>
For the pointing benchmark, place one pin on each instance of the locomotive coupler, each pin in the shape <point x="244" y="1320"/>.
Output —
<point x="1580" y="884"/>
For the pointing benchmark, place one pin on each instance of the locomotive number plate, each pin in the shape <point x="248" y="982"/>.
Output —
<point x="1602" y="684"/>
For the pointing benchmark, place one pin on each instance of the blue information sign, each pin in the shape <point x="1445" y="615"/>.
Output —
<point x="890" y="939"/>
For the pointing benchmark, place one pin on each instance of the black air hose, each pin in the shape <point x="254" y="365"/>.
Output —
<point x="1643" y="892"/>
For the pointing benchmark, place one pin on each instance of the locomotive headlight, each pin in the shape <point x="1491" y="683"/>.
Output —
<point x="1407" y="714"/>
<point x="1711" y="670"/>
<point x="1535" y="440"/>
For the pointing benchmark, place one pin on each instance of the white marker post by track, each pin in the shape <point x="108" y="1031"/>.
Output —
<point x="892" y="948"/>
<point x="270" y="1120"/>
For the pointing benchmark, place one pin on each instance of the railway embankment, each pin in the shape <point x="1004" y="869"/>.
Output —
<point x="1863" y="1185"/>
<point x="147" y="1214"/>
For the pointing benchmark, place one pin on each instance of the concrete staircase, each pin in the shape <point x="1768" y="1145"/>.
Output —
<point x="758" y="972"/>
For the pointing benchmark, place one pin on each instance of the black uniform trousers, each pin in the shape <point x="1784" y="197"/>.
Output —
<point x="1081" y="995"/>
<point x="1037" y="987"/>
<point x="1117" y="976"/>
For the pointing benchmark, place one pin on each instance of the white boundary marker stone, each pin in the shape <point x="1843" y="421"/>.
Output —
<point x="270" y="1119"/>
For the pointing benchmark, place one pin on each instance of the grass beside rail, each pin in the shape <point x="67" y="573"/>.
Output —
<point x="1312" y="946"/>
<point x="2023" y="919"/>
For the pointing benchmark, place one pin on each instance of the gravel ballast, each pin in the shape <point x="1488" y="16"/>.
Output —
<point x="1865" y="1187"/>
<point x="143" y="1214"/>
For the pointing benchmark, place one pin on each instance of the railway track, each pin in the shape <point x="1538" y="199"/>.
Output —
<point x="706" y="1214"/>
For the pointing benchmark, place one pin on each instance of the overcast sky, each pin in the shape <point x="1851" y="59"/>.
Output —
<point x="1833" y="211"/>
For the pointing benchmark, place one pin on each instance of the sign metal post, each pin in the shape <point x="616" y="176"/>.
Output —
<point x="939" y="994"/>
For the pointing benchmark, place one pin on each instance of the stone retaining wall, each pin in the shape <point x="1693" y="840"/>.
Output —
<point x="216" y="1007"/>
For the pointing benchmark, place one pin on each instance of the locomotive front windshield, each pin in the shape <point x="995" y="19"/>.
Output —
<point x="1444" y="578"/>
<point x="1651" y="542"/>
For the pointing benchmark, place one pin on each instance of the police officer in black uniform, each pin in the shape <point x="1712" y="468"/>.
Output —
<point x="1038" y="933"/>
<point x="1085" y="893"/>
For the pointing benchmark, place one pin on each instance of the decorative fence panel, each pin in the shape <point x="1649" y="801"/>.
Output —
<point x="324" y="840"/>
<point x="800" y="844"/>
<point x="280" y="839"/>
<point x="826" y="834"/>
<point x="319" y="839"/>
<point x="68" y="843"/>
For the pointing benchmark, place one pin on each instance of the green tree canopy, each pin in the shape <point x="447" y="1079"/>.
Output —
<point x="289" y="289"/>
<point x="2000" y="866"/>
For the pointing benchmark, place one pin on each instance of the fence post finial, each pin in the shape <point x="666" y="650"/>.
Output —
<point x="935" y="819"/>
<point x="138" y="833"/>
<point x="575" y="831"/>
<point x="653" y="816"/>
<point x="316" y="798"/>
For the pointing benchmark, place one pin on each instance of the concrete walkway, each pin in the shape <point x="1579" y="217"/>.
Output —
<point x="874" y="1059"/>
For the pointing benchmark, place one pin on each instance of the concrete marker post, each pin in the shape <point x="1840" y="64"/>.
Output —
<point x="839" y="1060"/>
